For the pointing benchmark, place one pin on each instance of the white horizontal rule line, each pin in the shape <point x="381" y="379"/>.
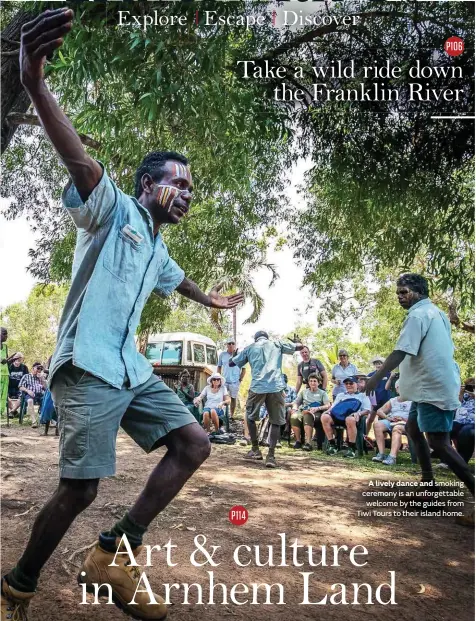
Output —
<point x="452" y="117"/>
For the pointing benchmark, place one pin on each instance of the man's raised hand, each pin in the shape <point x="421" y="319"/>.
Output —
<point x="224" y="301"/>
<point x="40" y="38"/>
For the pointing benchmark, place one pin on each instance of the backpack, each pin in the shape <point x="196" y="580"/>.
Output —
<point x="222" y="438"/>
<point x="345" y="408"/>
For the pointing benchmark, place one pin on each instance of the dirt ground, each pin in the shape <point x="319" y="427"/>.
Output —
<point x="313" y="500"/>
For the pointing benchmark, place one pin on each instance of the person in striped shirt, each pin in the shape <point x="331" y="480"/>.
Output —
<point x="34" y="386"/>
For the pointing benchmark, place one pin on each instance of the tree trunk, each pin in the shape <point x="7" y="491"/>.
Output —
<point x="456" y="321"/>
<point x="13" y="96"/>
<point x="142" y="340"/>
<point x="234" y="323"/>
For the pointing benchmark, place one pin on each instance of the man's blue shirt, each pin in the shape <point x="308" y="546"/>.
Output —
<point x="265" y="358"/>
<point x="117" y="264"/>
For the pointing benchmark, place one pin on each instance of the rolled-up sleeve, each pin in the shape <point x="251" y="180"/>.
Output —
<point x="411" y="336"/>
<point x="98" y="208"/>
<point x="169" y="279"/>
<point x="288" y="348"/>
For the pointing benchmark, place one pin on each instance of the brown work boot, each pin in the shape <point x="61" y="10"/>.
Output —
<point x="14" y="606"/>
<point x="123" y="579"/>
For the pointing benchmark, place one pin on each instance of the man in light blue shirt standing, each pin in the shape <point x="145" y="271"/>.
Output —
<point x="429" y="377"/>
<point x="232" y="375"/>
<point x="98" y="379"/>
<point x="267" y="388"/>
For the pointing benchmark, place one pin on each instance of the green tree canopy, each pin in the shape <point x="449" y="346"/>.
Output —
<point x="32" y="325"/>
<point x="387" y="183"/>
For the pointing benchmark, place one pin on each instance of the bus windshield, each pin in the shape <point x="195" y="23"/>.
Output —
<point x="168" y="352"/>
<point x="172" y="353"/>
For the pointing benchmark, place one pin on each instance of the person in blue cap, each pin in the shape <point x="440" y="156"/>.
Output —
<point x="265" y="358"/>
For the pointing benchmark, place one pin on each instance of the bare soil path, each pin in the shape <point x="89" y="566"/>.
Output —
<point x="313" y="500"/>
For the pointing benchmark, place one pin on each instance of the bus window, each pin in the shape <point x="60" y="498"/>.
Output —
<point x="189" y="352"/>
<point x="211" y="355"/>
<point x="154" y="352"/>
<point x="199" y="353"/>
<point x="172" y="353"/>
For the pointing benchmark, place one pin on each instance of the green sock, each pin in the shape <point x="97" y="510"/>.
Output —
<point x="128" y="526"/>
<point x="20" y="581"/>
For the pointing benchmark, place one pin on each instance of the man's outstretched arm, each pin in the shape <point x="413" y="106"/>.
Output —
<point x="39" y="39"/>
<point x="213" y="299"/>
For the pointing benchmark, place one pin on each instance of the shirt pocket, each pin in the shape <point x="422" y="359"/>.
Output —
<point x="74" y="431"/>
<point x="124" y="257"/>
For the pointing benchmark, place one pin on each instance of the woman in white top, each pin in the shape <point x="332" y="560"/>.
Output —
<point x="391" y="419"/>
<point x="341" y="371"/>
<point x="215" y="395"/>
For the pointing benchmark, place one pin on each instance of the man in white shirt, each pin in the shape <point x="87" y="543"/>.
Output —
<point x="233" y="375"/>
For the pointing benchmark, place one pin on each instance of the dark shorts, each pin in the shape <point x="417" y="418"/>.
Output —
<point x="431" y="419"/>
<point x="275" y="406"/>
<point x="90" y="412"/>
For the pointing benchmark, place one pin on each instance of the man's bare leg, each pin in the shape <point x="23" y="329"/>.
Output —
<point x="188" y="447"/>
<point x="71" y="498"/>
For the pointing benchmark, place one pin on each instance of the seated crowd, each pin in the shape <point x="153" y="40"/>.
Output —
<point x="28" y="395"/>
<point x="311" y="417"/>
<point x="25" y="388"/>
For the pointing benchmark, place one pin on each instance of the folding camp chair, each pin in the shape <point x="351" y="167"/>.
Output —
<point x="339" y="430"/>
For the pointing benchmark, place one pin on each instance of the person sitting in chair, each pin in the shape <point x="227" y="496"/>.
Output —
<point x="215" y="395"/>
<point x="290" y="397"/>
<point x="311" y="402"/>
<point x="462" y="433"/>
<point x="186" y="393"/>
<point x="392" y="417"/>
<point x="34" y="386"/>
<point x="346" y="410"/>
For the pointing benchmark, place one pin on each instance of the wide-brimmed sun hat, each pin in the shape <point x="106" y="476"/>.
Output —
<point x="216" y="376"/>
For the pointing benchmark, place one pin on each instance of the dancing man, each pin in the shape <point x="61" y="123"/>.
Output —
<point x="429" y="377"/>
<point x="98" y="379"/>
<point x="267" y="388"/>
